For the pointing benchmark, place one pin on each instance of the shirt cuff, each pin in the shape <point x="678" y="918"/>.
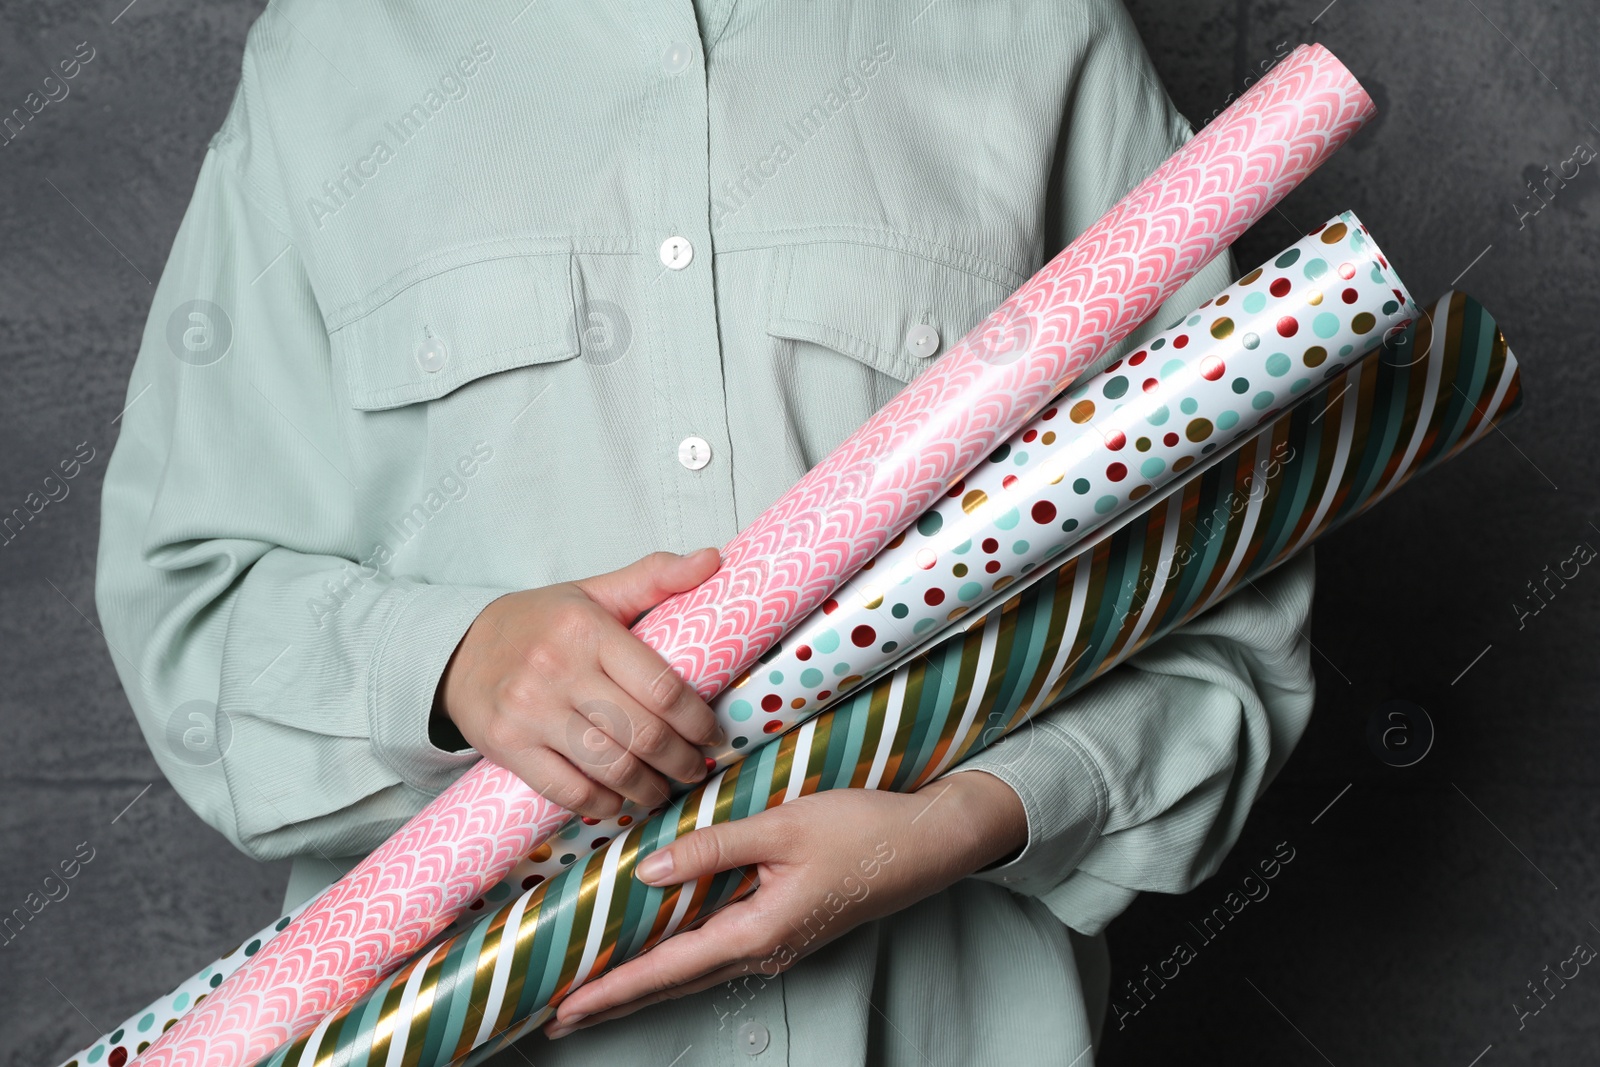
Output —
<point x="1064" y="796"/>
<point x="403" y="676"/>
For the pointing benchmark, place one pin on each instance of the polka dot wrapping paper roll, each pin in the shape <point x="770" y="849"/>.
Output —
<point x="794" y="555"/>
<point x="1354" y="440"/>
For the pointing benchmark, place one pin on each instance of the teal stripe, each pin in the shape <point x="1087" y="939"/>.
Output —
<point x="1296" y="480"/>
<point x="1114" y="596"/>
<point x="1477" y="346"/>
<point x="1390" y="399"/>
<point x="936" y="710"/>
<point x="1018" y="668"/>
<point x="765" y="767"/>
<point x="1216" y="500"/>
<point x="438" y="1021"/>
<point x="641" y="903"/>
<point x="845" y="746"/>
<point x="555" y="929"/>
<point x="923" y="679"/>
<point x="745" y="786"/>
<point x="463" y="970"/>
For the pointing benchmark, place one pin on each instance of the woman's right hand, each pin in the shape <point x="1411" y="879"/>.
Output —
<point x="550" y="684"/>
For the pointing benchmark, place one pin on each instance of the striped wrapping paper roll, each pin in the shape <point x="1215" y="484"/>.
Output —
<point x="1353" y="441"/>
<point x="1215" y="375"/>
<point x="785" y="563"/>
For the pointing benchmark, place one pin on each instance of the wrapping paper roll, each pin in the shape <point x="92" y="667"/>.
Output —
<point x="1352" y="442"/>
<point x="1233" y="364"/>
<point x="795" y="554"/>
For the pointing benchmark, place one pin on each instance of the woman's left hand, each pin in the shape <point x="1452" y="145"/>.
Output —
<point x="827" y="863"/>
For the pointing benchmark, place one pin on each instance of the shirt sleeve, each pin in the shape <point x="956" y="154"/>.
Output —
<point x="281" y="677"/>
<point x="1143" y="781"/>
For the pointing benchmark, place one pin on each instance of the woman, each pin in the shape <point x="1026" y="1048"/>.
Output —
<point x="477" y="320"/>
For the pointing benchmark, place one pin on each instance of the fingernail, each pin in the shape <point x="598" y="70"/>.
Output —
<point x="656" y="867"/>
<point x="558" y="1032"/>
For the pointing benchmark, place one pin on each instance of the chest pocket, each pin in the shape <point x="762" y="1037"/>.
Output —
<point x="447" y="330"/>
<point x="894" y="311"/>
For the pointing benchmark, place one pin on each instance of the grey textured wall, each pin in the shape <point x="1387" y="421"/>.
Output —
<point x="1420" y="899"/>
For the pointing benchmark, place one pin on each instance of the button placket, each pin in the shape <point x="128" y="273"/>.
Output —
<point x="689" y="416"/>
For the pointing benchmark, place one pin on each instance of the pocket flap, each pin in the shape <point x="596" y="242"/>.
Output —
<point x="865" y="301"/>
<point x="442" y="332"/>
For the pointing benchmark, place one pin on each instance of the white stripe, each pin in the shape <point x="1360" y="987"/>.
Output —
<point x="980" y="682"/>
<point x="703" y="817"/>
<point x="407" y="1010"/>
<point x="502" y="970"/>
<point x="1341" y="455"/>
<point x="313" y="1046"/>
<point x="1080" y="597"/>
<point x="1252" y="514"/>
<point x="602" y="905"/>
<point x="511" y="1036"/>
<point x="891" y="727"/>
<point x="1430" y="393"/>
<point x="1486" y="421"/>
<point x="802" y="755"/>
<point x="1152" y="600"/>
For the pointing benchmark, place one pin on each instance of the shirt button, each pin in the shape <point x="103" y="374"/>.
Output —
<point x="676" y="252"/>
<point x="694" y="452"/>
<point x="754" y="1038"/>
<point x="923" y="341"/>
<point x="432" y="355"/>
<point x="677" y="57"/>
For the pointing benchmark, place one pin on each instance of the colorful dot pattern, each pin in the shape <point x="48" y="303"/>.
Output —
<point x="1109" y="442"/>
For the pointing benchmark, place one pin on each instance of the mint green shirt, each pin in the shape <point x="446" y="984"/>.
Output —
<point x="474" y="298"/>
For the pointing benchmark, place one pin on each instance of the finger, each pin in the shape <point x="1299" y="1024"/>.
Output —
<point x="589" y="740"/>
<point x="644" y="583"/>
<point x="552" y="776"/>
<point x="637" y="730"/>
<point x="668" y="969"/>
<point x="733" y="972"/>
<point x="761" y="838"/>
<point x="640" y="670"/>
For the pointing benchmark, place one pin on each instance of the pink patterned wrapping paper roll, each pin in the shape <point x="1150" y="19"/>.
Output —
<point x="1093" y="294"/>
